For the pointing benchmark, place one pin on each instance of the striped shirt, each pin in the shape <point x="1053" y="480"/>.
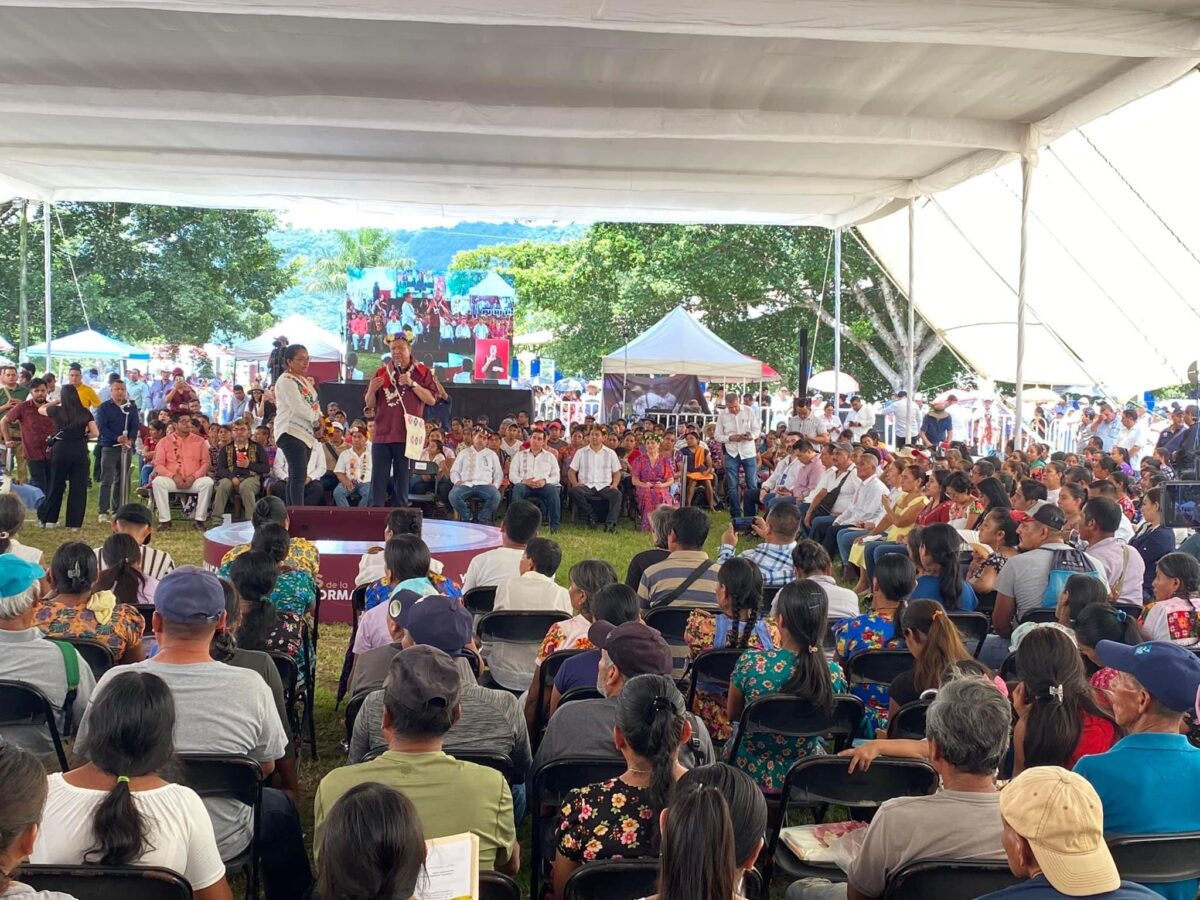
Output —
<point x="155" y="563"/>
<point x="773" y="560"/>
<point x="491" y="722"/>
<point x="662" y="578"/>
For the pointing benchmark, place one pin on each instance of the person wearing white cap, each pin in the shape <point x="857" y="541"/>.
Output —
<point x="1054" y="838"/>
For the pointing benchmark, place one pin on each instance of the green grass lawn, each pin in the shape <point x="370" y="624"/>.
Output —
<point x="185" y="545"/>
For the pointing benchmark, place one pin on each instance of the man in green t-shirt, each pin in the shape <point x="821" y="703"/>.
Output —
<point x="421" y="697"/>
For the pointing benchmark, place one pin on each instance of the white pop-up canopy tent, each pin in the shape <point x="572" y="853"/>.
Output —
<point x="322" y="346"/>
<point x="678" y="344"/>
<point x="492" y="286"/>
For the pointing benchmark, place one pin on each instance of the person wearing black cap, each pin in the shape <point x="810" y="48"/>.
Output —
<point x="585" y="727"/>
<point x="1149" y="782"/>
<point x="422" y="700"/>
<point x="134" y="520"/>
<point x="224" y="710"/>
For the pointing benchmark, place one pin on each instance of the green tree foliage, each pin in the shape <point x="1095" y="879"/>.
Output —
<point x="755" y="286"/>
<point x="146" y="273"/>
<point x="361" y="249"/>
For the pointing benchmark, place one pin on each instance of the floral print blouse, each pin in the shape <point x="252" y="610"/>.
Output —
<point x="608" y="820"/>
<point x="66" y="620"/>
<point x="302" y="554"/>
<point x="567" y="635"/>
<point x="768" y="757"/>
<point x="700" y="635"/>
<point x="870" y="631"/>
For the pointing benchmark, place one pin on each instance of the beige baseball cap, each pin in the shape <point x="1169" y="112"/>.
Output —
<point x="1061" y="816"/>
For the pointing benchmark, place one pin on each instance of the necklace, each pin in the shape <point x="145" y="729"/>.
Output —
<point x="394" y="393"/>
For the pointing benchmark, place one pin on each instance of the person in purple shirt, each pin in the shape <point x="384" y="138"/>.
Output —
<point x="615" y="604"/>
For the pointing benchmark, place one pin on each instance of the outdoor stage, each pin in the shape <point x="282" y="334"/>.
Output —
<point x="342" y="535"/>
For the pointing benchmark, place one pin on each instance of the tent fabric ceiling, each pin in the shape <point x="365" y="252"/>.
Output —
<point x="809" y="112"/>
<point x="1114" y="254"/>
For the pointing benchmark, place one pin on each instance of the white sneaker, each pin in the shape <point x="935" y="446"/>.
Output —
<point x="104" y="517"/>
<point x="51" y="525"/>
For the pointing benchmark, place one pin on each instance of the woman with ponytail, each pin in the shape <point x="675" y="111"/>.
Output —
<point x="941" y="571"/>
<point x="739" y="625"/>
<point x="116" y="810"/>
<point x="121" y="571"/>
<point x="1103" y="622"/>
<point x="720" y="819"/>
<point x="260" y="625"/>
<point x="1058" y="719"/>
<point x="935" y="643"/>
<point x="797" y="668"/>
<point x="618" y="819"/>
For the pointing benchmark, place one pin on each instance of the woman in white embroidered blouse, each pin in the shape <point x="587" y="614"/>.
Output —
<point x="297" y="412"/>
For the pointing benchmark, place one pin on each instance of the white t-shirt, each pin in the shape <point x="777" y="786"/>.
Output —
<point x="491" y="568"/>
<point x="20" y="551"/>
<point x="180" y="833"/>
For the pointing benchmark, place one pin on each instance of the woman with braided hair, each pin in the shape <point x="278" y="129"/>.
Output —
<point x="739" y="625"/>
<point x="619" y="818"/>
<point x="797" y="667"/>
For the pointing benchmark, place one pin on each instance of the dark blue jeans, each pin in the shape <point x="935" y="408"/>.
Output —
<point x="748" y="503"/>
<point x="284" y="864"/>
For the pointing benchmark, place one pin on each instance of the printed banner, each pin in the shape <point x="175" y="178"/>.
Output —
<point x="644" y="394"/>
<point x="415" y="442"/>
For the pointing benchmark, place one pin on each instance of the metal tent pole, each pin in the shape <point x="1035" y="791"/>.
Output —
<point x="46" y="264"/>
<point x="837" y="318"/>
<point x="912" y="316"/>
<point x="1028" y="164"/>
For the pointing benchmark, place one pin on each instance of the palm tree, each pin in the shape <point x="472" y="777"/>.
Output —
<point x="361" y="249"/>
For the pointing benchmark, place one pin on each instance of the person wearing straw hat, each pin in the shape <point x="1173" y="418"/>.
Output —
<point x="1054" y="838"/>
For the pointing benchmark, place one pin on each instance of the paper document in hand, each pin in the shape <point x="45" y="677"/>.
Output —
<point x="451" y="869"/>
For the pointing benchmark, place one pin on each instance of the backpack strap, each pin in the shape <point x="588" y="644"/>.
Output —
<point x="1115" y="591"/>
<point x="671" y="596"/>
<point x="71" y="665"/>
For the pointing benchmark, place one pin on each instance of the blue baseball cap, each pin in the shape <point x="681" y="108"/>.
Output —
<point x="16" y="574"/>
<point x="1168" y="672"/>
<point x="191" y="596"/>
<point x="438" y="621"/>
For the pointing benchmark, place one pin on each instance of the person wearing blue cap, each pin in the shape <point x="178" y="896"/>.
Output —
<point x="28" y="656"/>
<point x="1149" y="782"/>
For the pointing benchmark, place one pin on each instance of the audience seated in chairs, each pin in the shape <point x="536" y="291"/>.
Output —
<point x="406" y="558"/>
<point x="613" y="603"/>
<point x="618" y="819"/>
<point x="241" y="466"/>
<point x="1054" y="838"/>
<point x="688" y="576"/>
<point x="25" y="789"/>
<point x="774" y="555"/>
<point x="75" y="610"/>
<point x="134" y="520"/>
<point x="28" y="657"/>
<point x="512" y="665"/>
<point x="936" y="645"/>
<point x="535" y="475"/>
<point x="586" y="578"/>
<point x="301" y="552"/>
<point x="967" y="734"/>
<point x="810" y="560"/>
<point x="660" y="529"/>
<point x="373" y="846"/>
<point x="223" y="710"/>
<point x="121" y="572"/>
<point x="372" y="567"/>
<point x="117" y="810"/>
<point x="521" y="522"/>
<point x="421" y="703"/>
<point x="490" y="720"/>
<point x="1149" y="781"/>
<point x="741" y="623"/>
<point x="797" y="667"/>
<point x="585" y="727"/>
<point x="719" y="819"/>
<point x="260" y="625"/>
<point x="314" y="487"/>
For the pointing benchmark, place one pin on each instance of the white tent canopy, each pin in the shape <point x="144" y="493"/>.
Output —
<point x="678" y="344"/>
<point x="87" y="344"/>
<point x="322" y="345"/>
<point x="804" y="112"/>
<point x="492" y="286"/>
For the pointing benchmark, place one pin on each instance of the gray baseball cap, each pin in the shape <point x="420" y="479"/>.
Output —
<point x="423" y="676"/>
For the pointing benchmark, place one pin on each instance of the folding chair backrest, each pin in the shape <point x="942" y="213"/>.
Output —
<point x="670" y="622"/>
<point x="614" y="879"/>
<point x="791" y="716"/>
<point x="1040" y="615"/>
<point x="546" y="675"/>
<point x="973" y="627"/>
<point x="948" y="879"/>
<point x="878" y="666"/>
<point x="498" y="761"/>
<point x="352" y="710"/>
<point x="498" y="886"/>
<point x="480" y="600"/>
<point x="97" y="655"/>
<point x="95" y="882"/>
<point x="229" y="777"/>
<point x="827" y="779"/>
<point x="517" y="626"/>
<point x="1156" y="858"/>
<point x="24" y="705"/>
<point x="147" y="611"/>
<point x="583" y="692"/>
<point x="712" y="667"/>
<point x="909" y="721"/>
<point x="1008" y="668"/>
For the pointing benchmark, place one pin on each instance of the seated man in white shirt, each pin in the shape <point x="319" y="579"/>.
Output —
<point x="476" y="475"/>
<point x="535" y="475"/>
<point x="864" y="512"/>
<point x="812" y="561"/>
<point x="521" y="523"/>
<point x="512" y="665"/>
<point x="353" y="472"/>
<point x="595" y="476"/>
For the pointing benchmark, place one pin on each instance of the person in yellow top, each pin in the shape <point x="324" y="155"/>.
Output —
<point x="899" y="517"/>
<point x="87" y="396"/>
<point x="302" y="554"/>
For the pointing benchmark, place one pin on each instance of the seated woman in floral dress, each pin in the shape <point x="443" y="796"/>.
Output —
<point x="737" y="626"/>
<point x="653" y="474"/>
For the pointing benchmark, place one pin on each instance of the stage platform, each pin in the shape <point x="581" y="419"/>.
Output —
<point x="455" y="544"/>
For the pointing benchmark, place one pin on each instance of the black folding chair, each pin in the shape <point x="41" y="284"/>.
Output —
<point x="351" y="715"/>
<point x="768" y="597"/>
<point x="973" y="627"/>
<point x="293" y="696"/>
<point x="497" y="885"/>
<point x="237" y="778"/>
<point x="97" y="882"/>
<point x="498" y="761"/>
<point x="580" y="693"/>
<point x="546" y="674"/>
<point x="519" y="627"/>
<point x="358" y="605"/>
<point x="613" y="879"/>
<point x="1008" y="668"/>
<point x="480" y="601"/>
<point x="948" y="879"/>
<point x="95" y="653"/>
<point x="548" y="786"/>
<point x="1040" y="615"/>
<point x="819" y="782"/>
<point x="670" y="622"/>
<point x="909" y="721"/>
<point x="712" y="668"/>
<point x="794" y="717"/>
<point x="878" y="666"/>
<point x="147" y="611"/>
<point x="1156" y="858"/>
<point x="23" y="705"/>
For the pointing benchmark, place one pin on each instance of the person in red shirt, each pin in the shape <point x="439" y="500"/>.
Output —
<point x="401" y="386"/>
<point x="180" y="394"/>
<point x="34" y="431"/>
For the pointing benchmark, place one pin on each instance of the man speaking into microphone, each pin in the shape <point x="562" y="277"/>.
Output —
<point x="401" y="386"/>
